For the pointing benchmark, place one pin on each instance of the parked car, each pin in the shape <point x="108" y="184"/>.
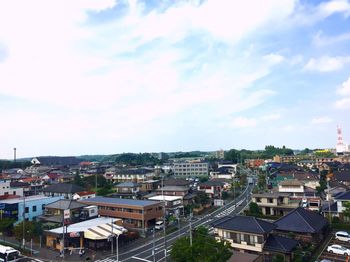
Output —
<point x="338" y="249"/>
<point x="342" y="236"/>
<point x="159" y="225"/>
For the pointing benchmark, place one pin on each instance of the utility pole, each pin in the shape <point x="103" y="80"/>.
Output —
<point x="24" y="219"/>
<point x="153" y="246"/>
<point x="63" y="235"/>
<point x="112" y="237"/>
<point x="191" y="228"/>
<point x="165" y="247"/>
<point x="117" y="247"/>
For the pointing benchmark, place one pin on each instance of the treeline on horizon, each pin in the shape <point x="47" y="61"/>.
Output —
<point x="151" y="159"/>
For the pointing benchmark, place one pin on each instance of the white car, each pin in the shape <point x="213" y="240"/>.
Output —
<point x="342" y="236"/>
<point x="338" y="249"/>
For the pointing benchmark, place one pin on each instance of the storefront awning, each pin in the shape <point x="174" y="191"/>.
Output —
<point x="103" y="231"/>
<point x="100" y="228"/>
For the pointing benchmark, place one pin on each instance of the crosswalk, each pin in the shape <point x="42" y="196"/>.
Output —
<point x="107" y="260"/>
<point x="229" y="210"/>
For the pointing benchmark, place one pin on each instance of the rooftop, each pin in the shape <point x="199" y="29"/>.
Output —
<point x="166" y="198"/>
<point x="343" y="196"/>
<point x="280" y="244"/>
<point x="26" y="199"/>
<point x="244" y="224"/>
<point x="291" y="182"/>
<point x="65" y="204"/>
<point x="118" y="201"/>
<point x="63" y="188"/>
<point x="302" y="221"/>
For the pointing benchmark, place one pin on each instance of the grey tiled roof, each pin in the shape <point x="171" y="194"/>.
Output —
<point x="301" y="220"/>
<point x="65" y="204"/>
<point x="244" y="224"/>
<point x="63" y="188"/>
<point x="280" y="244"/>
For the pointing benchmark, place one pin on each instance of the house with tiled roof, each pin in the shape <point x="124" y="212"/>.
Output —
<point x="253" y="235"/>
<point x="62" y="189"/>
<point x="305" y="225"/>
<point x="336" y="208"/>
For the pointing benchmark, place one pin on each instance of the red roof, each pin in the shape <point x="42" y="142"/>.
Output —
<point x="53" y="175"/>
<point x="3" y="197"/>
<point x="85" y="193"/>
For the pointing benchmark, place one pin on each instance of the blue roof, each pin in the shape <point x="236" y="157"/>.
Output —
<point x="119" y="201"/>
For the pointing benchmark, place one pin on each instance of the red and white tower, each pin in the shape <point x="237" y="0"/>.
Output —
<point x="341" y="147"/>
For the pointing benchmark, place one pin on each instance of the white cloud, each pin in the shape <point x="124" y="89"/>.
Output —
<point x="326" y="63"/>
<point x="321" y="120"/>
<point x="344" y="89"/>
<point x="271" y="117"/>
<point x="273" y="59"/>
<point x="343" y="103"/>
<point x="336" y="6"/>
<point x="243" y="122"/>
<point x="320" y="39"/>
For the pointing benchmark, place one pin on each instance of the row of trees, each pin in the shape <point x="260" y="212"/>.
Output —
<point x="32" y="229"/>
<point x="237" y="156"/>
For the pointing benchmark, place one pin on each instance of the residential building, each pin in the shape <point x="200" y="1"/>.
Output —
<point x="6" y="189"/>
<point x="223" y="172"/>
<point x="336" y="208"/>
<point x="173" y="190"/>
<point x="191" y="169"/>
<point x="83" y="195"/>
<point x="28" y="208"/>
<point x="62" y="189"/>
<point x="342" y="177"/>
<point x="136" y="214"/>
<point x="212" y="188"/>
<point x="305" y="225"/>
<point x="73" y="210"/>
<point x="253" y="235"/>
<point x="149" y="185"/>
<point x="131" y="174"/>
<point x="173" y="204"/>
<point x="128" y="190"/>
<point x="274" y="204"/>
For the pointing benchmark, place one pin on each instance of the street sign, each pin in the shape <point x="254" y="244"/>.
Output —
<point x="66" y="214"/>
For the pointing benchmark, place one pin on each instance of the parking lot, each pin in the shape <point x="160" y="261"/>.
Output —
<point x="331" y="256"/>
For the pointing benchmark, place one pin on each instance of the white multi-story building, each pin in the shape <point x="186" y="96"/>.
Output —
<point x="191" y="169"/>
<point x="6" y="189"/>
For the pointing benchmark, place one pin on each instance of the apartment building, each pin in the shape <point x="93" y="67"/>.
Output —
<point x="136" y="214"/>
<point x="28" y="208"/>
<point x="7" y="190"/>
<point x="191" y="169"/>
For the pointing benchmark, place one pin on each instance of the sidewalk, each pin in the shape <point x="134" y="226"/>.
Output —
<point x="49" y="255"/>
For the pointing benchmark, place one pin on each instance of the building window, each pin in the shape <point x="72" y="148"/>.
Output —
<point x="270" y="200"/>
<point x="34" y="208"/>
<point x="258" y="199"/>
<point x="27" y="210"/>
<point x="43" y="206"/>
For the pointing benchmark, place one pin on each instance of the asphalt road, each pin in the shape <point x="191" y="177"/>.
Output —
<point x="144" y="252"/>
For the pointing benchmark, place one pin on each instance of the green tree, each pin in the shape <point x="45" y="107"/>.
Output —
<point x="278" y="258"/>
<point x="323" y="181"/>
<point x="29" y="230"/>
<point x="6" y="225"/>
<point x="262" y="182"/>
<point x="204" y="248"/>
<point x="201" y="198"/>
<point x="224" y="195"/>
<point x="78" y="180"/>
<point x="346" y="211"/>
<point x="254" y="209"/>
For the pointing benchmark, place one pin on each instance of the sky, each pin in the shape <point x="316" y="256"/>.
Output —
<point x="112" y="76"/>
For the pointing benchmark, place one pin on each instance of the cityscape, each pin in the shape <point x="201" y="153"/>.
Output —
<point x="175" y="131"/>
